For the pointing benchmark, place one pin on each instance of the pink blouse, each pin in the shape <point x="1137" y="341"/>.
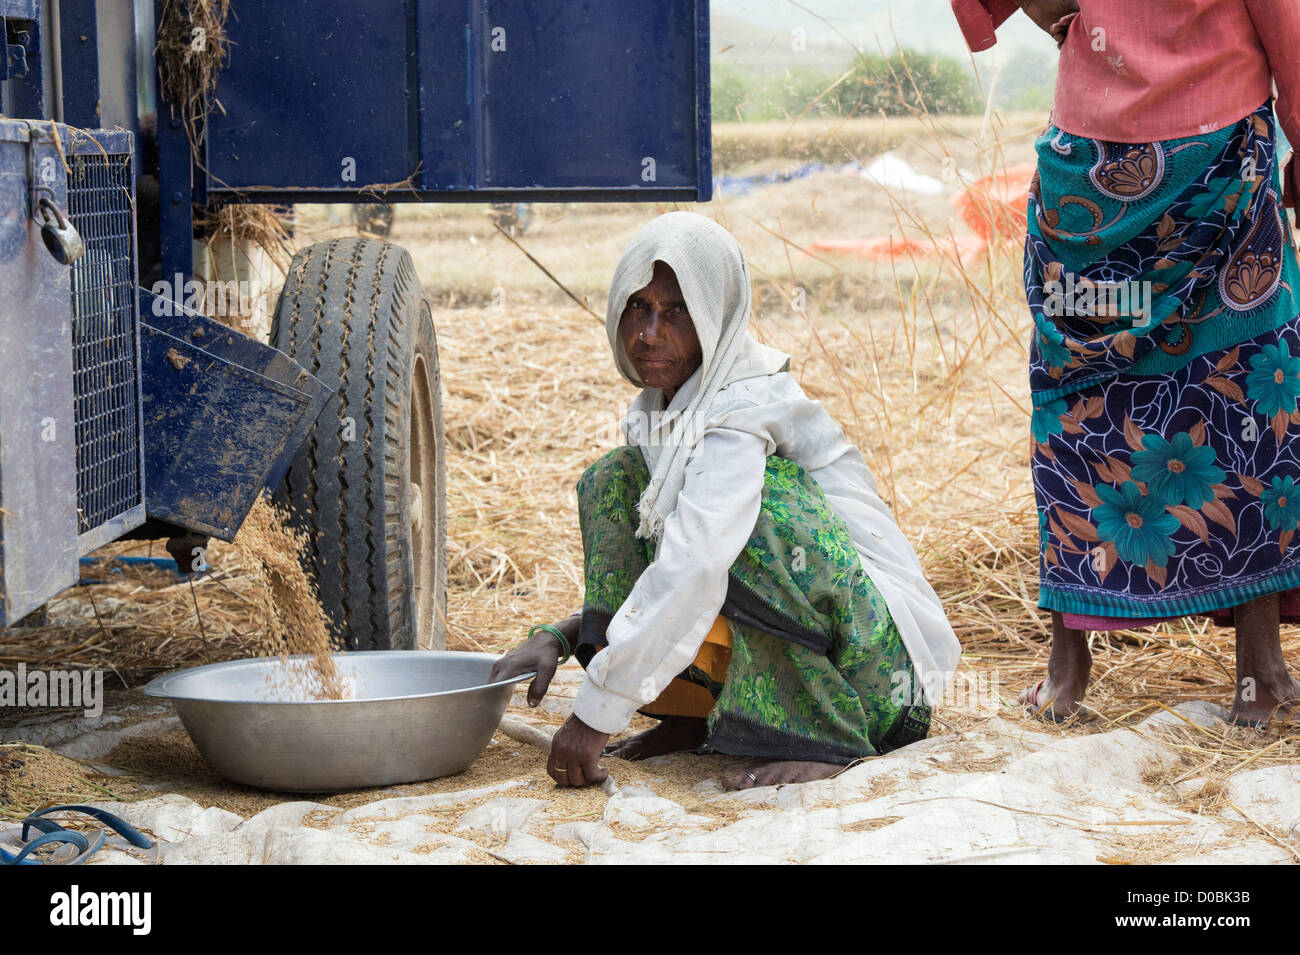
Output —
<point x="1140" y="71"/>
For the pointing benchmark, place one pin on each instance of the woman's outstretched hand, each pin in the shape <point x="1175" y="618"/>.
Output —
<point x="539" y="654"/>
<point x="575" y="754"/>
<point x="1052" y="16"/>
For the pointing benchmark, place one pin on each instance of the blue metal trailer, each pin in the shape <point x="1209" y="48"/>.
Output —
<point x="124" y="413"/>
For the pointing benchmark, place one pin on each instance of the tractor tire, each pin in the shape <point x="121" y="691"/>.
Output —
<point x="368" y="484"/>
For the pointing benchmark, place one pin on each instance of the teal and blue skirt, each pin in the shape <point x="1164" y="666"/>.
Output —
<point x="1165" y="374"/>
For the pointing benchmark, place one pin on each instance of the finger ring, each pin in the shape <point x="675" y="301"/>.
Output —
<point x="752" y="777"/>
<point x="559" y="770"/>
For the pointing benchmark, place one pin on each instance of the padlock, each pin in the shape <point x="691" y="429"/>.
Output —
<point x="59" y="234"/>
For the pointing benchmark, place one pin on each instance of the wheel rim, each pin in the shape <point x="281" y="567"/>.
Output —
<point x="422" y="493"/>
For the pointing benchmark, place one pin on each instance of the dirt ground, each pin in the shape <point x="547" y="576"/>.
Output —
<point x="921" y="359"/>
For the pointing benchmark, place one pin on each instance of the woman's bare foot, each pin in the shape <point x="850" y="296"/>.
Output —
<point x="1046" y="702"/>
<point x="1265" y="690"/>
<point x="781" y="772"/>
<point x="1060" y="696"/>
<point x="673" y="735"/>
<point x="1268" y="703"/>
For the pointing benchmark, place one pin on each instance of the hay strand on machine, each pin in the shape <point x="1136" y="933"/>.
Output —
<point x="191" y="49"/>
<point x="266" y="227"/>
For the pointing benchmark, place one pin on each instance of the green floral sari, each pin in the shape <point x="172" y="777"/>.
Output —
<point x="818" y="670"/>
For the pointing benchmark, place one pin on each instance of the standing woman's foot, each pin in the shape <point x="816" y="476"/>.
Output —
<point x="1269" y="703"/>
<point x="673" y="734"/>
<point x="1265" y="690"/>
<point x="782" y="772"/>
<point x="1046" y="701"/>
<point x="1060" y="695"/>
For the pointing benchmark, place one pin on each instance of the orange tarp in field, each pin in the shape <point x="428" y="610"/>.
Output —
<point x="877" y="249"/>
<point x="997" y="205"/>
<point x="994" y="206"/>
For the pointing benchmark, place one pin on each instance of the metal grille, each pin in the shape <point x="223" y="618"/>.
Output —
<point x="104" y="339"/>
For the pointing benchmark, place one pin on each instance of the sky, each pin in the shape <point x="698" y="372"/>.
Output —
<point x="764" y="28"/>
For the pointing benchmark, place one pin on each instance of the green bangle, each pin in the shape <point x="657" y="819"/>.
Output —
<point x="564" y="641"/>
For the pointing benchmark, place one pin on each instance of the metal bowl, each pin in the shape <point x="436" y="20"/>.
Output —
<point x="417" y="714"/>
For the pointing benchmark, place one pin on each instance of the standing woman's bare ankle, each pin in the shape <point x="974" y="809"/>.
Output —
<point x="1070" y="662"/>
<point x="1263" y="683"/>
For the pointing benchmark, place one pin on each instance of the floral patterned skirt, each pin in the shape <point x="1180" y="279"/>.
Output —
<point x="1165" y="370"/>
<point x="1174" y="494"/>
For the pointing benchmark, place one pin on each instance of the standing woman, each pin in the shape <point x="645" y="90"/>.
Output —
<point x="1160" y="271"/>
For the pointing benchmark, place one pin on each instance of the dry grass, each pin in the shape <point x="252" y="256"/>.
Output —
<point x="263" y="226"/>
<point x="142" y="620"/>
<point x="837" y="140"/>
<point x="192" y="48"/>
<point x="1207" y="755"/>
<point x="32" y="776"/>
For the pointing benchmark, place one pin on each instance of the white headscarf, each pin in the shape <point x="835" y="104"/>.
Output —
<point x="714" y="279"/>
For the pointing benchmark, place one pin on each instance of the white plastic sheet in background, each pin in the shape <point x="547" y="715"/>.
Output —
<point x="894" y="173"/>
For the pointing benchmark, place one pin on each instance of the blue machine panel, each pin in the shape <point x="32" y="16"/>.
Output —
<point x="574" y="94"/>
<point x="329" y="100"/>
<point x="309" y="86"/>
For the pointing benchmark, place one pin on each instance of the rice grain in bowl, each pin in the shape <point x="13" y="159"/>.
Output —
<point x="412" y="715"/>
